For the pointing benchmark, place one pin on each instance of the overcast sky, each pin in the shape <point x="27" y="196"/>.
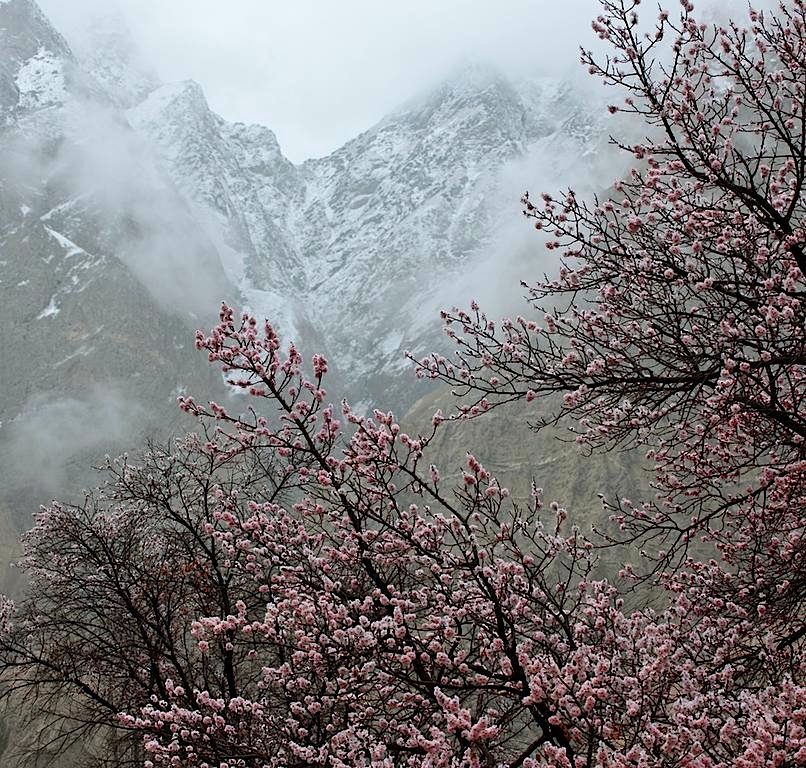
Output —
<point x="319" y="72"/>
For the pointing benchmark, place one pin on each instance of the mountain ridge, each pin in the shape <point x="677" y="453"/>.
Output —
<point x="382" y="219"/>
<point x="130" y="209"/>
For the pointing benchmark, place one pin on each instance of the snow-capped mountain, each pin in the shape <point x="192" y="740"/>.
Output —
<point x="358" y="243"/>
<point x="128" y="209"/>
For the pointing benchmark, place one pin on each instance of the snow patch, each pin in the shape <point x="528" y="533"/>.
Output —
<point x="361" y="408"/>
<point x="82" y="351"/>
<point x="40" y="81"/>
<point x="50" y="310"/>
<point x="68" y="245"/>
<point x="271" y="306"/>
<point x="61" y="208"/>
<point x="391" y="344"/>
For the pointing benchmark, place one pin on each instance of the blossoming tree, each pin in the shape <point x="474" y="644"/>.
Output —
<point x="422" y="624"/>
<point x="407" y="620"/>
<point x="677" y="319"/>
<point x="115" y="583"/>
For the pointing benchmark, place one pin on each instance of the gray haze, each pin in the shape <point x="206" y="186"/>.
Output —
<point x="319" y="73"/>
<point x="49" y="434"/>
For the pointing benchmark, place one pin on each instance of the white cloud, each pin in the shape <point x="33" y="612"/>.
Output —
<point x="318" y="73"/>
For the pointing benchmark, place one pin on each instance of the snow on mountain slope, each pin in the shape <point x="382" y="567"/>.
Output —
<point x="241" y="182"/>
<point x="358" y="244"/>
<point x="35" y="60"/>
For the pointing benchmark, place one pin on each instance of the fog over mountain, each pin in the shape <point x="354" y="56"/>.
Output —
<point x="129" y="209"/>
<point x="320" y="73"/>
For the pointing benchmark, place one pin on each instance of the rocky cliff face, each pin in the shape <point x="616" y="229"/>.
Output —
<point x="36" y="62"/>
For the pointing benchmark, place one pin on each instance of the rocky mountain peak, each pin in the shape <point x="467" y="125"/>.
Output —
<point x="471" y="81"/>
<point x="370" y="230"/>
<point x="471" y="101"/>
<point x="183" y="99"/>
